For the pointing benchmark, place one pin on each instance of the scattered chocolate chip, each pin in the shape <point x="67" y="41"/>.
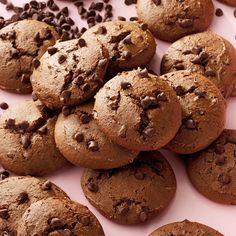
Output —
<point x="85" y="119"/>
<point x="180" y="90"/>
<point x="55" y="223"/>
<point x="220" y="160"/>
<point x="26" y="141"/>
<point x="85" y="87"/>
<point x="61" y="59"/>
<point x="81" y="42"/>
<point x="143" y="73"/>
<point x="148" y="102"/>
<point x="79" y="137"/>
<point x="43" y="130"/>
<point x="4" y="106"/>
<point x="190" y="124"/>
<point x="66" y="111"/>
<point x="219" y="149"/>
<point x="14" y="53"/>
<point x="199" y="93"/>
<point x="4" y="213"/>
<point x="65" y="96"/>
<point x="210" y="73"/>
<point x="102" y="63"/>
<point x="92" y="187"/>
<point x="85" y="220"/>
<point x="161" y="97"/>
<point x="121" y="18"/>
<point x="185" y="23"/>
<point x="52" y="50"/>
<point x="127" y="39"/>
<point x="143" y="216"/>
<point x="93" y="146"/>
<point x="47" y="186"/>
<point x="22" y="198"/>
<point x="144" y="26"/>
<point x="219" y="12"/>
<point x="125" y="85"/>
<point x="127" y="55"/>
<point x="224" y="178"/>
<point x="36" y="63"/>
<point x="25" y="78"/>
<point x="156" y="2"/>
<point x="4" y="174"/>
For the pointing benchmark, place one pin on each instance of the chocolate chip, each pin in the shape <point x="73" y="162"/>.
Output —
<point x="65" y="96"/>
<point x="127" y="39"/>
<point x="179" y="66"/>
<point x="43" y="130"/>
<point x="127" y="55"/>
<point x="14" y="53"/>
<point x="125" y="85"/>
<point x="143" y="216"/>
<point x="22" y="198"/>
<point x="55" y="223"/>
<point x="4" y="174"/>
<point x="92" y="187"/>
<point x="144" y="26"/>
<point x="199" y="93"/>
<point x="210" y="73"/>
<point x="47" y="186"/>
<point x="36" y="63"/>
<point x="85" y="220"/>
<point x="10" y="124"/>
<point x="85" y="87"/>
<point x="149" y="132"/>
<point x="185" y="23"/>
<point x="4" y="106"/>
<point x="121" y="18"/>
<point x="224" y="178"/>
<point x="79" y="137"/>
<point x="85" y="119"/>
<point x="25" y="78"/>
<point x="37" y="38"/>
<point x="180" y="90"/>
<point x="219" y="149"/>
<point x="102" y="63"/>
<point x="143" y="73"/>
<point x="4" y="214"/>
<point x="66" y="111"/>
<point x="219" y="12"/>
<point x="148" y="102"/>
<point x="190" y="124"/>
<point x="220" y="160"/>
<point x="81" y="42"/>
<point x="122" y="209"/>
<point x="52" y="50"/>
<point x="61" y="59"/>
<point x="93" y="146"/>
<point x="26" y="141"/>
<point x="161" y="97"/>
<point x="156" y="2"/>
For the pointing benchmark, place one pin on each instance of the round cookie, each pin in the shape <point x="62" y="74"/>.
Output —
<point x="81" y="142"/>
<point x="27" y="145"/>
<point x="70" y="73"/>
<point x="138" y="111"/>
<point x="17" y="194"/>
<point x="21" y="45"/>
<point x="205" y="53"/>
<point x="203" y="111"/>
<point x="170" y="20"/>
<point x="229" y="2"/>
<point x="185" y="228"/>
<point x="54" y="216"/>
<point x="130" y="44"/>
<point x="134" y="193"/>
<point x="213" y="170"/>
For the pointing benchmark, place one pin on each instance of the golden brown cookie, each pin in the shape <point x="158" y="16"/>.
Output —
<point x="134" y="193"/>
<point x="205" y="53"/>
<point x="21" y="46"/>
<point x="129" y="44"/>
<point x="170" y="20"/>
<point x="203" y="111"/>
<point x="138" y="111"/>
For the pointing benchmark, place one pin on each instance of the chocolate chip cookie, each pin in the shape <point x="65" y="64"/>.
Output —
<point x="17" y="194"/>
<point x="138" y="110"/>
<point x="27" y="145"/>
<point x="229" y="2"/>
<point x="185" y="228"/>
<point x="205" y="53"/>
<point x="213" y="170"/>
<point x="171" y="20"/>
<point x="70" y="72"/>
<point x="203" y="111"/>
<point x="21" y="45"/>
<point x="130" y="44"/>
<point x="134" y="193"/>
<point x="54" y="216"/>
<point x="81" y="142"/>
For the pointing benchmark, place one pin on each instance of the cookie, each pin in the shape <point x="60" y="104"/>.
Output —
<point x="171" y="20"/>
<point x="213" y="170"/>
<point x="17" y="194"/>
<point x="54" y="216"/>
<point x="70" y="73"/>
<point x="21" y="45"/>
<point x="205" y="53"/>
<point x="27" y="145"/>
<point x="138" y="111"/>
<point x="130" y="44"/>
<point x="203" y="111"/>
<point x="134" y="193"/>
<point x="229" y="2"/>
<point x="185" y="228"/>
<point x="81" y="142"/>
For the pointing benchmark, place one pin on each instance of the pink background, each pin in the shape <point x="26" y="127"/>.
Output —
<point x="188" y="203"/>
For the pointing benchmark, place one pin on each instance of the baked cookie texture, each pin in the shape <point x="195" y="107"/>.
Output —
<point x="134" y="193"/>
<point x="170" y="20"/>
<point x="138" y="110"/>
<point x="17" y="194"/>
<point x="213" y="172"/>
<point x="185" y="228"/>
<point x="27" y="145"/>
<point x="59" y="217"/>
<point x="70" y="73"/>
<point x="21" y="46"/>
<point x="129" y="44"/>
<point x="203" y="111"/>
<point x="229" y="2"/>
<point x="82" y="143"/>
<point x="205" y="53"/>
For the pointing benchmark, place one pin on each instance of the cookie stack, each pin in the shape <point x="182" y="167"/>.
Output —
<point x="95" y="105"/>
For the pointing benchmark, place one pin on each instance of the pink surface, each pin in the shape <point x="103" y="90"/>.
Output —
<point x="188" y="203"/>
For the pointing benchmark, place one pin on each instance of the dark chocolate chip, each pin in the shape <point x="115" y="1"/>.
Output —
<point x="190" y="124"/>
<point x="92" y="187"/>
<point x="4" y="174"/>
<point x="210" y="73"/>
<point x="52" y="50"/>
<point x="219" y="12"/>
<point x="220" y="160"/>
<point x="102" y="30"/>
<point x="127" y="39"/>
<point x="79" y="137"/>
<point x="219" y="149"/>
<point x="4" y="213"/>
<point x="161" y="97"/>
<point x="143" y="73"/>
<point x="36" y="63"/>
<point x="85" y="220"/>
<point x="185" y="23"/>
<point x="47" y="186"/>
<point x="143" y="216"/>
<point x="125" y="85"/>
<point x="148" y="102"/>
<point x="144" y="26"/>
<point x="65" y="96"/>
<point x="81" y="42"/>
<point x="25" y="78"/>
<point x="156" y="2"/>
<point x="127" y="55"/>
<point x="26" y="141"/>
<point x="4" y="106"/>
<point x="85" y="87"/>
<point x="102" y="63"/>
<point x="93" y="146"/>
<point x="55" y="223"/>
<point x="66" y="111"/>
<point x="22" y="198"/>
<point x="121" y="18"/>
<point x="43" y="130"/>
<point x="85" y="119"/>
<point x="224" y="178"/>
<point x="199" y="93"/>
<point x="180" y="90"/>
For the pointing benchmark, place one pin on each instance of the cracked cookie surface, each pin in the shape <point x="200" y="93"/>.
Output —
<point x="59" y="217"/>
<point x="213" y="171"/>
<point x="203" y="111"/>
<point x="138" y="111"/>
<point x="27" y="145"/>
<point x="21" y="45"/>
<point x="205" y="53"/>
<point x="129" y="44"/>
<point x="70" y="72"/>
<point x="170" y="20"/>
<point x="134" y="193"/>
<point x="185" y="228"/>
<point x="17" y="194"/>
<point x="82" y="143"/>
